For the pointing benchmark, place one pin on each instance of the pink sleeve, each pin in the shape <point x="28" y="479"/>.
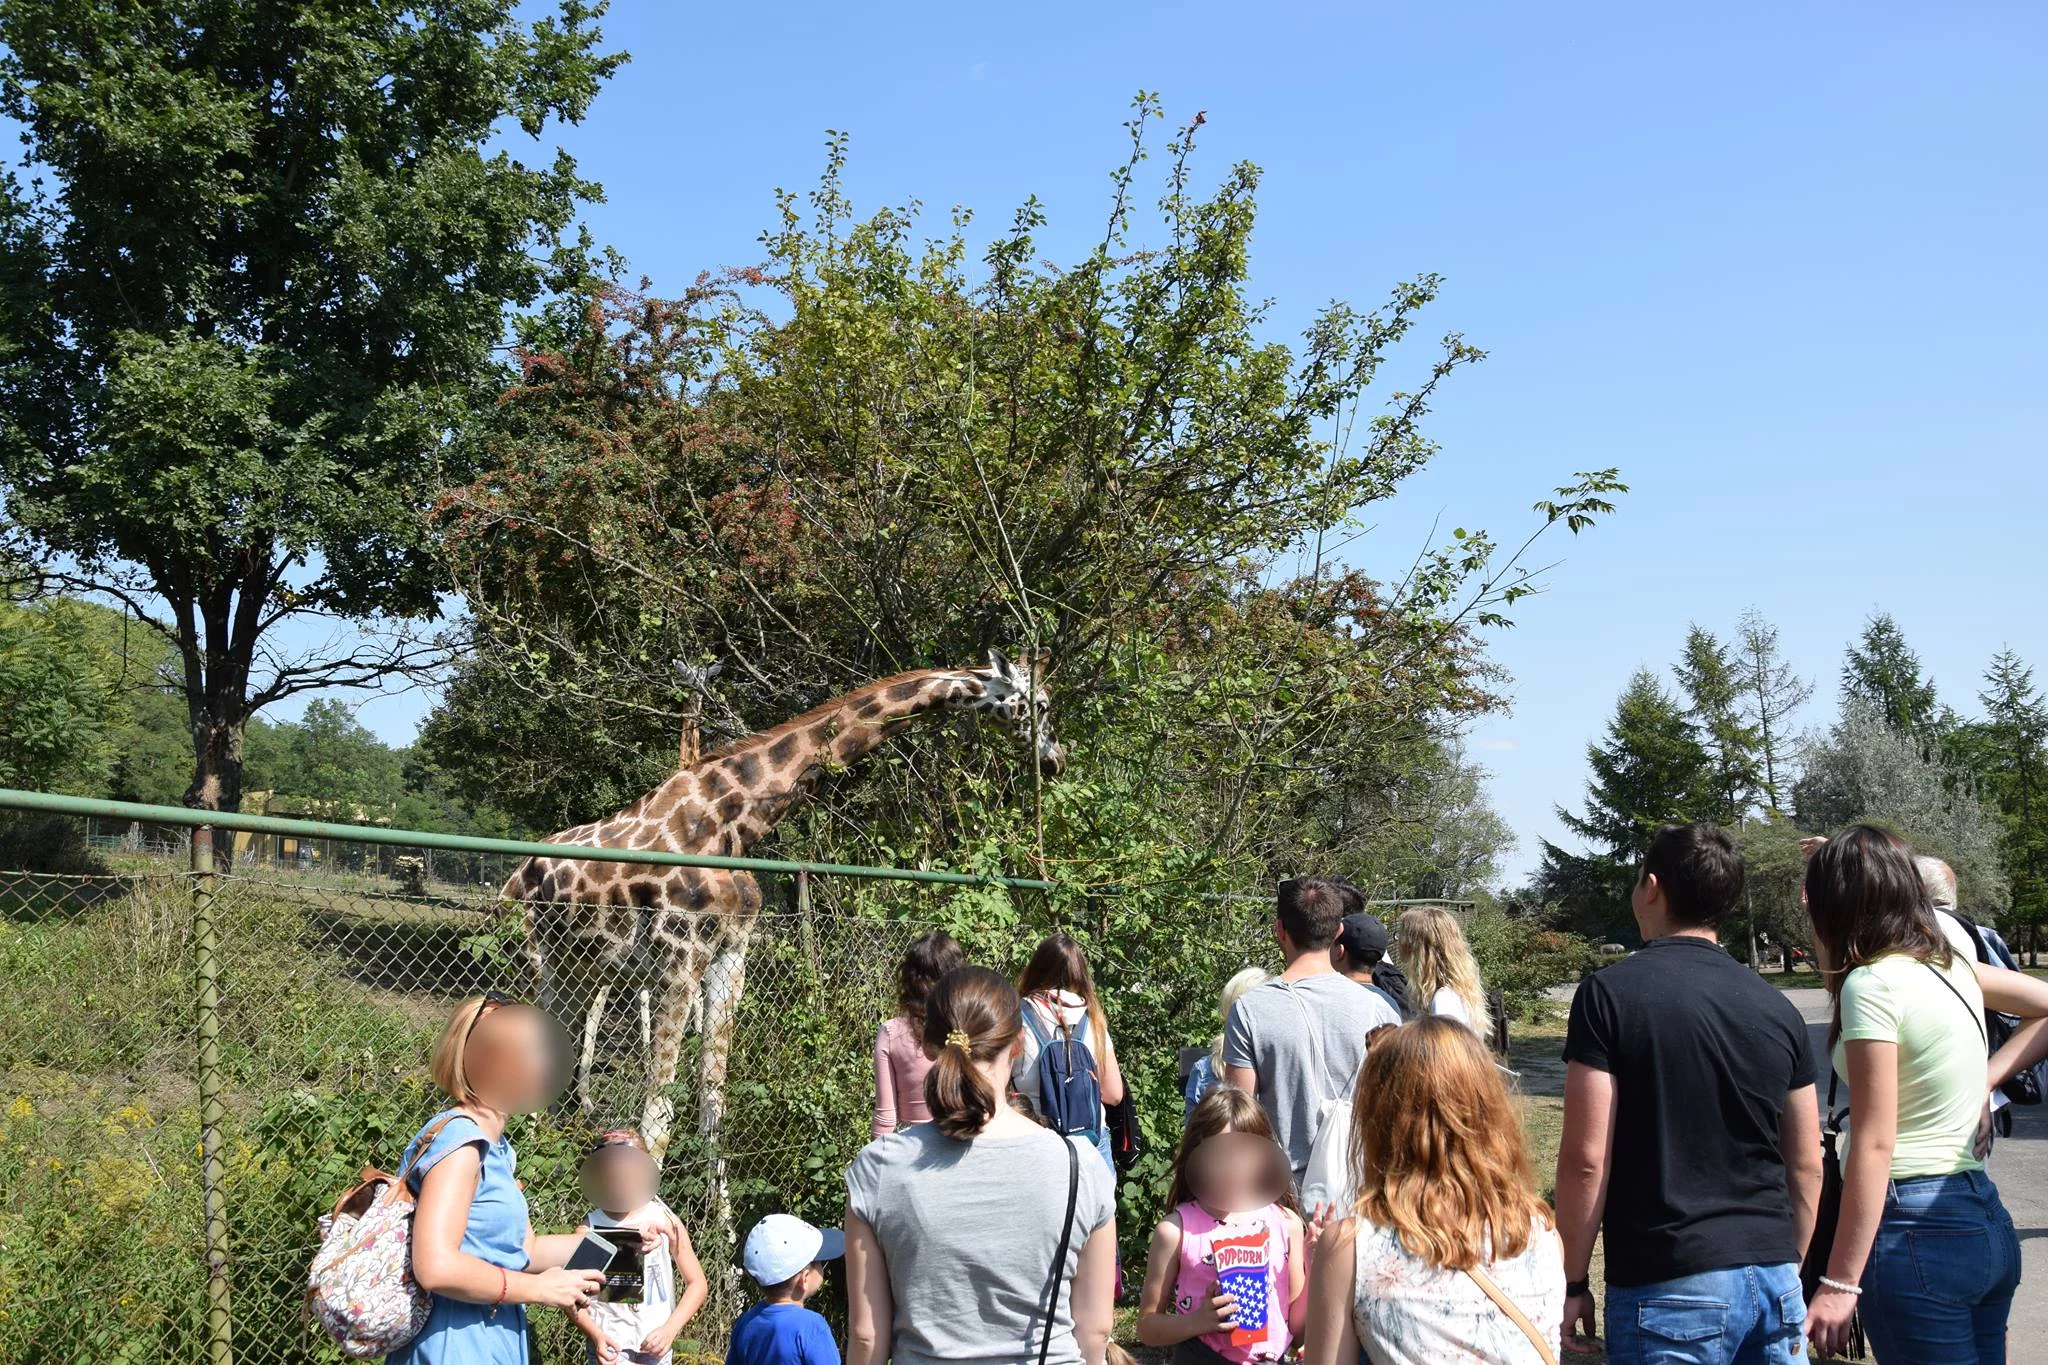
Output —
<point x="885" y="1085"/>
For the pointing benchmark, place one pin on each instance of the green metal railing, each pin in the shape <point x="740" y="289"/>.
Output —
<point x="207" y="953"/>
<point x="48" y="803"/>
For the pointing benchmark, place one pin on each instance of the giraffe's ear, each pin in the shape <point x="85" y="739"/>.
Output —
<point x="1000" y="665"/>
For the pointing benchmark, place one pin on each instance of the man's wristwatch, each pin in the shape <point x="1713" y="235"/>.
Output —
<point x="1574" y="1288"/>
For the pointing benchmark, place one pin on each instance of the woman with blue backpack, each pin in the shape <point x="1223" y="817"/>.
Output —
<point x="1067" y="1068"/>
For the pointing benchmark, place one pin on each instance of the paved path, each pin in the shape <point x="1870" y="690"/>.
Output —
<point x="2020" y="1166"/>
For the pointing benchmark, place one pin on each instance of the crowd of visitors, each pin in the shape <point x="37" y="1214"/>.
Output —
<point x="1352" y="1181"/>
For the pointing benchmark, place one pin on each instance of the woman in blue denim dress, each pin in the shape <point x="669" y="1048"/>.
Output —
<point x="473" y="1247"/>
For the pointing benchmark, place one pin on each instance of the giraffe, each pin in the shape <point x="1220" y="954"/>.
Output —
<point x="696" y="683"/>
<point x="684" y="931"/>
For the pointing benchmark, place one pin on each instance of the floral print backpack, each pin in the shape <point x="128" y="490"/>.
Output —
<point x="361" y="1289"/>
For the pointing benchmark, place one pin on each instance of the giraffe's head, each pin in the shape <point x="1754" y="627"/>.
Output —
<point x="1015" y="699"/>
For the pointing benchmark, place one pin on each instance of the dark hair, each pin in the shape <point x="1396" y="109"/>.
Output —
<point x="1058" y="964"/>
<point x="1865" y="901"/>
<point x="970" y="1016"/>
<point x="1700" y="870"/>
<point x="927" y="959"/>
<point x="1310" y="909"/>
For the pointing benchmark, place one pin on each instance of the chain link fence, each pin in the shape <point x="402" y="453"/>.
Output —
<point x="333" y="978"/>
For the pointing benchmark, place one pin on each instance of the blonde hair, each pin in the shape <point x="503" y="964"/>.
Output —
<point x="450" y="1067"/>
<point x="1436" y="957"/>
<point x="1439" y="1150"/>
<point x="1226" y="1109"/>
<point x="1233" y="990"/>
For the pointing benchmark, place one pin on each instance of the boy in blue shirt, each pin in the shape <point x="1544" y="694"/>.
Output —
<point x="786" y="1256"/>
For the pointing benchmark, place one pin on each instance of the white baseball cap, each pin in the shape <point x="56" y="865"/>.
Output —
<point x="781" y="1245"/>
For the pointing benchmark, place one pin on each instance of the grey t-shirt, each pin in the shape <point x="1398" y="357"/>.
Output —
<point x="1281" y="1029"/>
<point x="969" y="1230"/>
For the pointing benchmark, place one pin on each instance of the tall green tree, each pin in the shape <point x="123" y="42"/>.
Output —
<point x="1651" y="770"/>
<point x="1771" y="694"/>
<point x="2013" y="762"/>
<point x="1710" y="676"/>
<point x="1882" y="670"/>
<point x="247" y="294"/>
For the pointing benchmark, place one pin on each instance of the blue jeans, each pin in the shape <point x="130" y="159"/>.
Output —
<point x="1938" y="1286"/>
<point x="1747" y="1315"/>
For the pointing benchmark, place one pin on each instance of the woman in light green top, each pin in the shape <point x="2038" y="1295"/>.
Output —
<point x="1921" y="1226"/>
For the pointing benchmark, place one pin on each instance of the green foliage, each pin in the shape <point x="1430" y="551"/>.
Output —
<point x="2011" y="750"/>
<point x="54" y="703"/>
<point x="1867" y="769"/>
<point x="1522" y="958"/>
<point x="232" y="409"/>
<point x="1771" y="694"/>
<point x="1882" y="672"/>
<point x="1711" y="679"/>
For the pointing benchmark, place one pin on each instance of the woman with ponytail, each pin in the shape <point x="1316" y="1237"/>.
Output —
<point x="978" y="1238"/>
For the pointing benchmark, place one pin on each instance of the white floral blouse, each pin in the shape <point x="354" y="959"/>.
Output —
<point x="1408" y="1312"/>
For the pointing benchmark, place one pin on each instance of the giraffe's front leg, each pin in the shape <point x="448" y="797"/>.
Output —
<point x="724" y="983"/>
<point x="593" y="1020"/>
<point x="675" y="1000"/>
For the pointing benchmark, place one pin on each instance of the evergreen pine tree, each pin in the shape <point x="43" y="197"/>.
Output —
<point x="1882" y="669"/>
<point x="1651" y="770"/>
<point x="2013" y="754"/>
<point x="1712" y="681"/>
<point x="1771" y="693"/>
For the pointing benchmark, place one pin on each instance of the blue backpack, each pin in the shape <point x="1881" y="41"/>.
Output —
<point x="1069" y="1091"/>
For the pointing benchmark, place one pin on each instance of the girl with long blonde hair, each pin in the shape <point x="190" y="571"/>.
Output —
<point x="1443" y="976"/>
<point x="1450" y="1254"/>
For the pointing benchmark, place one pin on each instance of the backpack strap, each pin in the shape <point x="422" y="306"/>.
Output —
<point x="1315" y="1040"/>
<point x="424" y="1141"/>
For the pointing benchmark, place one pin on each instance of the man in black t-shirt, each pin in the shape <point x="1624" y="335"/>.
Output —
<point x="1691" y="1138"/>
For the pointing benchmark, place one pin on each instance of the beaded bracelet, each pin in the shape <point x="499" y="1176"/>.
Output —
<point x="504" y="1284"/>
<point x="1855" y="1289"/>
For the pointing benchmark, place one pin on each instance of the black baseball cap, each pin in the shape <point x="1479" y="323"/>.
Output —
<point x="1362" y="935"/>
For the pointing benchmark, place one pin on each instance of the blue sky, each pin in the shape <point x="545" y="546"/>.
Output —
<point x="1783" y="265"/>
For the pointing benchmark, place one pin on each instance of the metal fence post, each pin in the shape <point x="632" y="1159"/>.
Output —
<point x="206" y="951"/>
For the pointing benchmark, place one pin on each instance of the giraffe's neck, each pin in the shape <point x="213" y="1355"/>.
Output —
<point x="752" y="786"/>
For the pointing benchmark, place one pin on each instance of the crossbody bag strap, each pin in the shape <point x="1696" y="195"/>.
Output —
<point x="1514" y="1314"/>
<point x="1975" y="1015"/>
<point x="1059" y="1259"/>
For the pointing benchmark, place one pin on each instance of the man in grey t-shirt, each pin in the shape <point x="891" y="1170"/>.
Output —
<point x="1299" y="1040"/>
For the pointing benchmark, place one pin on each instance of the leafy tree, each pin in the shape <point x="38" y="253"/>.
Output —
<point x="873" y="455"/>
<point x="328" y="755"/>
<point x="1771" y="694"/>
<point x="1434" y="835"/>
<point x="1881" y="669"/>
<point x="2012" y="752"/>
<point x="1867" y="770"/>
<point x="1775" y="869"/>
<point x="1711" y="678"/>
<point x="230" y="408"/>
<point x="54" y="704"/>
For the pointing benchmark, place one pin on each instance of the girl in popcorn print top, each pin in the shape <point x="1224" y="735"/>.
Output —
<point x="1226" y="1278"/>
